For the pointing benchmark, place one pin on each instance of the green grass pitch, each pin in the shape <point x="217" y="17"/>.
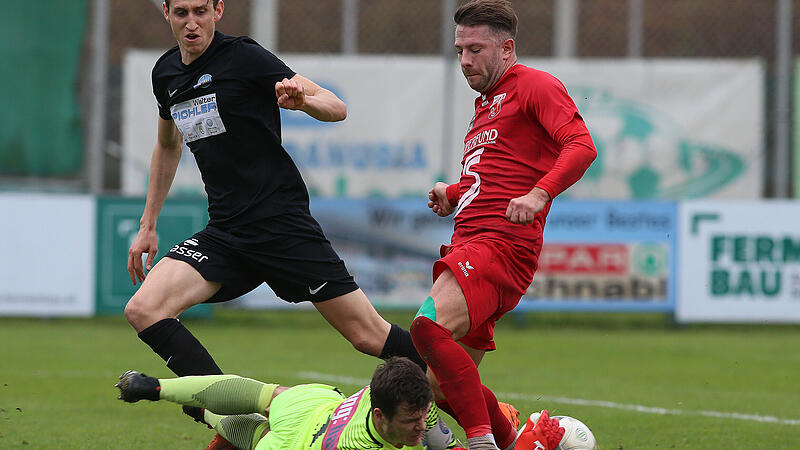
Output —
<point x="638" y="382"/>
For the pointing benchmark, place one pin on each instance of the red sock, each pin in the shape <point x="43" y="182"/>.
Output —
<point x="504" y="433"/>
<point x="456" y="372"/>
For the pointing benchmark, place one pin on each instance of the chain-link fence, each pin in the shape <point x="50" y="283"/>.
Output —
<point x="670" y="28"/>
<point x="599" y="29"/>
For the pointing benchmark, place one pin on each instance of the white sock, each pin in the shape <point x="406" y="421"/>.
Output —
<point x="485" y="442"/>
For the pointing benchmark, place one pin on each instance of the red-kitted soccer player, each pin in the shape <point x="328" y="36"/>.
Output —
<point x="526" y="144"/>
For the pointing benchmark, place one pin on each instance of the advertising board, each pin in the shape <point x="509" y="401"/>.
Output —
<point x="740" y="262"/>
<point x="48" y="242"/>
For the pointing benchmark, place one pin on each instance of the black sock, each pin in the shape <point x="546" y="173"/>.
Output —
<point x="399" y="343"/>
<point x="184" y="354"/>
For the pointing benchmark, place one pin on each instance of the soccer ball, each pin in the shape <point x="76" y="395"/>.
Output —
<point x="577" y="436"/>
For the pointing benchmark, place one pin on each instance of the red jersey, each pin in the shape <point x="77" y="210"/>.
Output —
<point x="514" y="141"/>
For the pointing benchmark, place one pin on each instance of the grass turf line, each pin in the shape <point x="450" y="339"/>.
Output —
<point x="57" y="376"/>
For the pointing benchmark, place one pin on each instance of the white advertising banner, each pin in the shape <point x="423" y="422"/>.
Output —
<point x="390" y="143"/>
<point x="664" y="129"/>
<point x="49" y="247"/>
<point x="388" y="146"/>
<point x="739" y="262"/>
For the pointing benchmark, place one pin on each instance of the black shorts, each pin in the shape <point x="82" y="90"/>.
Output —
<point x="289" y="252"/>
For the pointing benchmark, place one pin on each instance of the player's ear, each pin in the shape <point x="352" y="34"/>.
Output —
<point x="508" y="47"/>
<point x="378" y="415"/>
<point x="165" y="8"/>
<point x="218" y="10"/>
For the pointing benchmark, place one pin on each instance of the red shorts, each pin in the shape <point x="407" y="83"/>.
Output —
<point x="493" y="275"/>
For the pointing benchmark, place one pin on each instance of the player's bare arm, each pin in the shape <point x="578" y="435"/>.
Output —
<point x="438" y="202"/>
<point x="521" y="210"/>
<point x="302" y="94"/>
<point x="164" y="163"/>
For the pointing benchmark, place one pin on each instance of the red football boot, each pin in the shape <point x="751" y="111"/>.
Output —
<point x="540" y="433"/>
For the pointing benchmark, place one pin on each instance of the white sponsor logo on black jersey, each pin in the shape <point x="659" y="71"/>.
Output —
<point x="198" y="118"/>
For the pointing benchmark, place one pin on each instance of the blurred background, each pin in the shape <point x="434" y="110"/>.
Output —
<point x="669" y="283"/>
<point x="690" y="104"/>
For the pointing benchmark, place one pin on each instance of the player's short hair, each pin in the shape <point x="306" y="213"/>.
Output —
<point x="214" y="3"/>
<point x="397" y="381"/>
<point x="499" y="15"/>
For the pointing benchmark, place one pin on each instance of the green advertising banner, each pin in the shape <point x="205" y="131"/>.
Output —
<point x="117" y="226"/>
<point x="739" y="262"/>
<point x="40" y="46"/>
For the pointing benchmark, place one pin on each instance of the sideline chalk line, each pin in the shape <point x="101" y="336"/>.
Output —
<point x="579" y="401"/>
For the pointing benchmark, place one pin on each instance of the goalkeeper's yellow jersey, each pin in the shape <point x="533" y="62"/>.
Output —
<point x="347" y="425"/>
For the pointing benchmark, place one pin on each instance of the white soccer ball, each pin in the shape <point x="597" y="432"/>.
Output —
<point x="577" y="436"/>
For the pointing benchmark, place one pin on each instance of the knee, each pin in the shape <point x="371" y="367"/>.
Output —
<point x="366" y="344"/>
<point x="139" y="314"/>
<point x="424" y="323"/>
<point x="414" y="329"/>
<point x="423" y="331"/>
<point x="421" y="328"/>
<point x="367" y="337"/>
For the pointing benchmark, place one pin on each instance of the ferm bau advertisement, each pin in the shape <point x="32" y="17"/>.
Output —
<point x="740" y="262"/>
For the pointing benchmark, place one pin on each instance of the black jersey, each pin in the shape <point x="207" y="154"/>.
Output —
<point x="224" y="104"/>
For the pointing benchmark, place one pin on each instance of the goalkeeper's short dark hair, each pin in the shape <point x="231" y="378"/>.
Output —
<point x="397" y="381"/>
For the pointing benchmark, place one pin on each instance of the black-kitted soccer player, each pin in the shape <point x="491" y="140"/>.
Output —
<point x="220" y="95"/>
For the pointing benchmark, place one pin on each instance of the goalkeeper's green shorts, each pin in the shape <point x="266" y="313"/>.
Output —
<point x="291" y="414"/>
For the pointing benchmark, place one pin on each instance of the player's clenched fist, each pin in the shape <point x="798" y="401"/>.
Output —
<point x="437" y="200"/>
<point x="522" y="210"/>
<point x="290" y="94"/>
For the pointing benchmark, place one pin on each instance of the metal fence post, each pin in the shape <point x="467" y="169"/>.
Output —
<point x="349" y="27"/>
<point x="448" y="89"/>
<point x="99" y="88"/>
<point x="635" y="36"/>
<point x="264" y="23"/>
<point x="783" y="98"/>
<point x="565" y="31"/>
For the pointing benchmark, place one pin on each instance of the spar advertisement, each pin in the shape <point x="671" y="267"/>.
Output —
<point x="740" y="262"/>
<point x="597" y="256"/>
<point x="609" y="256"/>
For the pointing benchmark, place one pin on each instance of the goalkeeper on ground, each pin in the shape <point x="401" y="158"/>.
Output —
<point x="394" y="411"/>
